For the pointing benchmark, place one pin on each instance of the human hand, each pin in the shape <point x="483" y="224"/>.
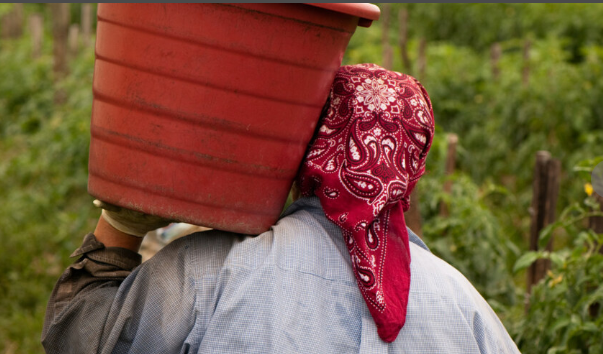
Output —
<point x="129" y="221"/>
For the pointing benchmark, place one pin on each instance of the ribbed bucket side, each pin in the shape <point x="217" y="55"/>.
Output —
<point x="202" y="112"/>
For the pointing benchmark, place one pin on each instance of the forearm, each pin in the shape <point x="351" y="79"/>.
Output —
<point x="111" y="237"/>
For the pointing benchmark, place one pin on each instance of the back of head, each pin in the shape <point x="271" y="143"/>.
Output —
<point x="367" y="156"/>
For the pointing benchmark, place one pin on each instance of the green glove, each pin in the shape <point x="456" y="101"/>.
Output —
<point x="129" y="221"/>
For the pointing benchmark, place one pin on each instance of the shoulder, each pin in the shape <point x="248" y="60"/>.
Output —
<point x="443" y="301"/>
<point x="432" y="276"/>
<point x="208" y="248"/>
<point x="303" y="239"/>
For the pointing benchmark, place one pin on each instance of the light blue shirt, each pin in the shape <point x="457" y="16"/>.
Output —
<point x="288" y="290"/>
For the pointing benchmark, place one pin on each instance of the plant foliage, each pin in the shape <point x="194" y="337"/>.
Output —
<point x="45" y="210"/>
<point x="565" y="313"/>
<point x="549" y="100"/>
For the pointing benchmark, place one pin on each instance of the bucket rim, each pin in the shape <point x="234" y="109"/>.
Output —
<point x="367" y="12"/>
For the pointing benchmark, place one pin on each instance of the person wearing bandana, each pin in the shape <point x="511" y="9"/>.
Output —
<point x="340" y="272"/>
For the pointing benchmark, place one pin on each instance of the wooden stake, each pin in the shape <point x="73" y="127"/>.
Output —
<point x="545" y="189"/>
<point x="6" y="25"/>
<point x="18" y="21"/>
<point x="403" y="40"/>
<point x="537" y="209"/>
<point x="36" y="27"/>
<point x="525" y="75"/>
<point x="60" y="33"/>
<point x="452" y="140"/>
<point x="385" y="25"/>
<point x="552" y="192"/>
<point x="596" y="222"/>
<point x="495" y="53"/>
<point x="86" y="24"/>
<point x="12" y="22"/>
<point x="413" y="215"/>
<point x="422" y="59"/>
<point x="73" y="39"/>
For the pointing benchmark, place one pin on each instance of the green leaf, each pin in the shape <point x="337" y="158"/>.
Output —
<point x="585" y="168"/>
<point x="546" y="234"/>
<point x="595" y="349"/>
<point x="526" y="260"/>
<point x="557" y="259"/>
<point x="590" y="327"/>
<point x="560" y="323"/>
<point x="557" y="349"/>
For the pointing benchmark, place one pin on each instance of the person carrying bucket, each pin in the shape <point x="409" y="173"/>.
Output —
<point x="340" y="272"/>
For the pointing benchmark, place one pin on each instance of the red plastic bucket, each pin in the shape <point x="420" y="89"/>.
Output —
<point x="202" y="112"/>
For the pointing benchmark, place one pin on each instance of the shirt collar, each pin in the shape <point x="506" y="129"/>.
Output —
<point x="313" y="202"/>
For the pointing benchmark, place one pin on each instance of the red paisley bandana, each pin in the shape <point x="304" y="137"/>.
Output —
<point x="366" y="158"/>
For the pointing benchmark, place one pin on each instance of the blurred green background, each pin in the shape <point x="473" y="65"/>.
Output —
<point x="507" y="79"/>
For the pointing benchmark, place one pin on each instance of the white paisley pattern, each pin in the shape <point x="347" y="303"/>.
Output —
<point x="367" y="156"/>
<point x="375" y="94"/>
